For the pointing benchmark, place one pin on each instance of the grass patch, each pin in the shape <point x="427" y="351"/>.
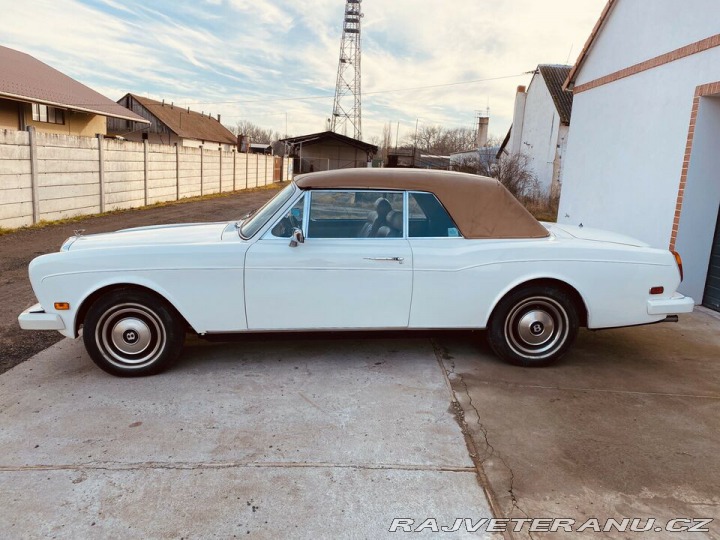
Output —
<point x="75" y="219"/>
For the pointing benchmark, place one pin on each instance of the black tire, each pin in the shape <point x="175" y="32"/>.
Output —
<point x="533" y="326"/>
<point x="132" y="333"/>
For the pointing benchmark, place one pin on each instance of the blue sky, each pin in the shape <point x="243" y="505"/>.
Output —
<point x="252" y="60"/>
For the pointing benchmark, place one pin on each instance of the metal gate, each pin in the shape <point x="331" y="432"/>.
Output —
<point x="711" y="298"/>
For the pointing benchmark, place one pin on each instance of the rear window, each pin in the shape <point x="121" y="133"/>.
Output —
<point x="429" y="219"/>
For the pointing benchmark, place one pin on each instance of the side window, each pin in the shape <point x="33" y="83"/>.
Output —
<point x="293" y="219"/>
<point x="429" y="219"/>
<point x="356" y="214"/>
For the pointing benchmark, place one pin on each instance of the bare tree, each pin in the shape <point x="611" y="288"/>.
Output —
<point x="434" y="139"/>
<point x="512" y="171"/>
<point x="256" y="133"/>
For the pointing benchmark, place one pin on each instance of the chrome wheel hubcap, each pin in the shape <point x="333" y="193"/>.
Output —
<point x="537" y="327"/>
<point x="130" y="335"/>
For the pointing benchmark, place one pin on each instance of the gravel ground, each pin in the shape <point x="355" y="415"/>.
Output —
<point x="18" y="248"/>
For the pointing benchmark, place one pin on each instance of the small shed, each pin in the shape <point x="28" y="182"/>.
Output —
<point x="328" y="151"/>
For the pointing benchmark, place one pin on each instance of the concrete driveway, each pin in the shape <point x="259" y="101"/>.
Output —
<point x="627" y="425"/>
<point x="277" y="439"/>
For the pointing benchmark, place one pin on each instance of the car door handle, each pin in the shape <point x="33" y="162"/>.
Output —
<point x="393" y="259"/>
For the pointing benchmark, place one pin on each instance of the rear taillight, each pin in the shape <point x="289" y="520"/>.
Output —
<point x="678" y="260"/>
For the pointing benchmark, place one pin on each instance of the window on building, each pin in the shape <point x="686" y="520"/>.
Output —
<point x="51" y="115"/>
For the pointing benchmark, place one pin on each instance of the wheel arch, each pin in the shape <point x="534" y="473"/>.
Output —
<point x="106" y="289"/>
<point x="577" y="298"/>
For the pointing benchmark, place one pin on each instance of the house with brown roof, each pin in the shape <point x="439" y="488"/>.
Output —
<point x="172" y="124"/>
<point x="541" y="122"/>
<point x="35" y="94"/>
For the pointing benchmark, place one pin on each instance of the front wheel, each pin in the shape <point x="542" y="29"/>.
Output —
<point x="533" y="326"/>
<point x="130" y="333"/>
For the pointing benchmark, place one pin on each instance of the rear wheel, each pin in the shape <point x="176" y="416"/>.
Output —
<point x="533" y="326"/>
<point x="131" y="333"/>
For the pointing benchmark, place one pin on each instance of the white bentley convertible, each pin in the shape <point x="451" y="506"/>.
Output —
<point x="354" y="249"/>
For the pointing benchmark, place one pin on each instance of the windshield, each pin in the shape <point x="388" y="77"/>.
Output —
<point x="255" y="222"/>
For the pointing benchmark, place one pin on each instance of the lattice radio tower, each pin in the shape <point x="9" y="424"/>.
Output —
<point x="347" y="108"/>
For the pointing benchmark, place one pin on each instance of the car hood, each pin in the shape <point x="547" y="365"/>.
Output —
<point x="595" y="235"/>
<point x="186" y="233"/>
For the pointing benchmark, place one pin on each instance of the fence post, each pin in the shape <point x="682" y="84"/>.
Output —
<point x="201" y="169"/>
<point x="146" y="169"/>
<point x="257" y="170"/>
<point x="177" y="172"/>
<point x="266" y="170"/>
<point x="247" y="168"/>
<point x="34" y="175"/>
<point x="234" y="168"/>
<point x="221" y="156"/>
<point x="101" y="164"/>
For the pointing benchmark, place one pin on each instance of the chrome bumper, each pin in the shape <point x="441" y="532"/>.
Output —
<point x="35" y="318"/>
<point x="670" y="306"/>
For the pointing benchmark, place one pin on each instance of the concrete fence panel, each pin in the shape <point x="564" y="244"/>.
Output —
<point x="66" y="176"/>
<point x="124" y="174"/>
<point x="211" y="171"/>
<point x="227" y="177"/>
<point x="16" y="204"/>
<point x="189" y="172"/>
<point x="50" y="176"/>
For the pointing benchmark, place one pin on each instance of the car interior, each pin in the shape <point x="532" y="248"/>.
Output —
<point x="369" y="214"/>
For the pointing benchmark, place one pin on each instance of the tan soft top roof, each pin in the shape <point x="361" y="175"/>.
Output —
<point x="481" y="207"/>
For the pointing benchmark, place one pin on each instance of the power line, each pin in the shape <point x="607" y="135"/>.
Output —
<point x="328" y="96"/>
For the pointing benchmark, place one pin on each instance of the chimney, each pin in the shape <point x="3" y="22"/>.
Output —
<point x="163" y="103"/>
<point x="482" y="132"/>
<point x="172" y="104"/>
<point x="218" y="117"/>
<point x="188" y="110"/>
<point x="516" y="133"/>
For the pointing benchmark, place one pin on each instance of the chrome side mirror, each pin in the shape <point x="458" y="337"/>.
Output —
<point x="297" y="237"/>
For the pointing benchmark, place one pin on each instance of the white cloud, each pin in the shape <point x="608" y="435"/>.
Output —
<point x="233" y="56"/>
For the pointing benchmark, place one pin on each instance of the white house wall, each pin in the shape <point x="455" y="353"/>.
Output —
<point x="633" y="33"/>
<point x="540" y="131"/>
<point x="701" y="198"/>
<point x="626" y="149"/>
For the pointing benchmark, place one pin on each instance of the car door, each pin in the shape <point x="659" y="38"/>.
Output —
<point x="449" y="281"/>
<point x="354" y="269"/>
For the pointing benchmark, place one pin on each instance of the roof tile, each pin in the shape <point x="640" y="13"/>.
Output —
<point x="25" y="78"/>
<point x="555" y="76"/>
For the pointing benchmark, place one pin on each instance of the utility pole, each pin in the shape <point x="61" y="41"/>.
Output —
<point x="347" y="106"/>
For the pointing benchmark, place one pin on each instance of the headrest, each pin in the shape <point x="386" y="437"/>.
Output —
<point x="382" y="207"/>
<point x="395" y="220"/>
<point x="371" y="217"/>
